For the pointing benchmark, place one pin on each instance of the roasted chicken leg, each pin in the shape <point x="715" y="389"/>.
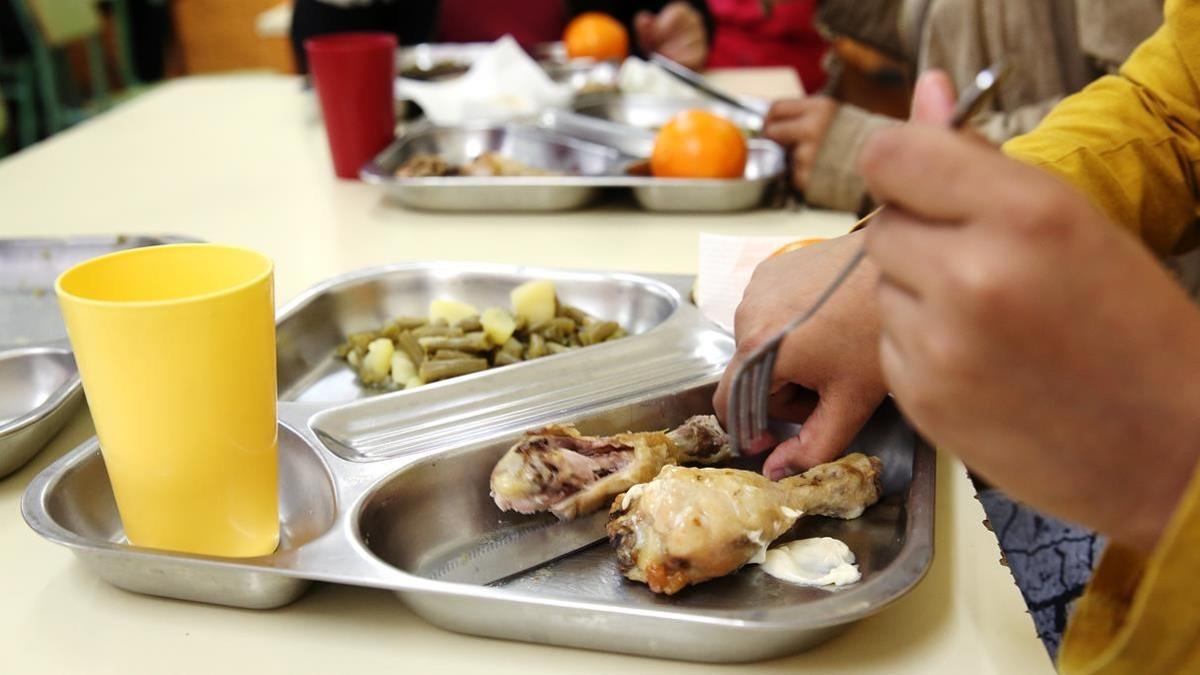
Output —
<point x="557" y="469"/>
<point x="690" y="525"/>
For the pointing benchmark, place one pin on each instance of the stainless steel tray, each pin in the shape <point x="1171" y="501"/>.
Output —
<point x="583" y="76"/>
<point x="650" y="112"/>
<point x="39" y="384"/>
<point x="597" y="153"/>
<point x="765" y="165"/>
<point x="381" y="491"/>
<point x="536" y="147"/>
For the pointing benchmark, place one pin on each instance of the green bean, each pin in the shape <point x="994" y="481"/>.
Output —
<point x="471" y="342"/>
<point x="436" y="330"/>
<point x="558" y="329"/>
<point x="357" y="342"/>
<point x="451" y="354"/>
<point x="574" y="313"/>
<point x="408" y="344"/>
<point x="537" y="347"/>
<point x="598" y="332"/>
<point x="440" y="350"/>
<point x="432" y="371"/>
<point x="409" y="322"/>
<point x="556" y="348"/>
<point x="400" y="324"/>
<point x="469" y="324"/>
<point x="503" y="358"/>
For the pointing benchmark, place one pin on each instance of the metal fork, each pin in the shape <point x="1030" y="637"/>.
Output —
<point x="750" y="390"/>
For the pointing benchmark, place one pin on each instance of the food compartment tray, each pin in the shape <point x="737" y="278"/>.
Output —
<point x="765" y="166"/>
<point x="394" y="523"/>
<point x="311" y="326"/>
<point x="582" y="165"/>
<point x="437" y="511"/>
<point x="72" y="504"/>
<point x="379" y="492"/>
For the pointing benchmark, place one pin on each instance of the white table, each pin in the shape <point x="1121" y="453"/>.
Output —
<point x="242" y="160"/>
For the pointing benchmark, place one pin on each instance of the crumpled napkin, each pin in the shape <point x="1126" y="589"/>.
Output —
<point x="504" y="83"/>
<point x="725" y="267"/>
<point x="642" y="77"/>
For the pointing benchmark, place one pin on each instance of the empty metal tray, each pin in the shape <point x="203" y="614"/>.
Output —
<point x="39" y="383"/>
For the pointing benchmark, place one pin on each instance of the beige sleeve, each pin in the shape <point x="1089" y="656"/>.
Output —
<point x="1038" y="39"/>
<point x="834" y="184"/>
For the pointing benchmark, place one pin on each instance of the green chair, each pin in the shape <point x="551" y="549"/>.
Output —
<point x="3" y="125"/>
<point x="50" y="27"/>
<point x="17" y="85"/>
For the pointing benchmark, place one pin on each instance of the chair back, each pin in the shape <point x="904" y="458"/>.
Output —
<point x="3" y="119"/>
<point x="62" y="22"/>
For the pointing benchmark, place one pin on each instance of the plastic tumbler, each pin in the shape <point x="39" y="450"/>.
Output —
<point x="354" y="75"/>
<point x="176" y="348"/>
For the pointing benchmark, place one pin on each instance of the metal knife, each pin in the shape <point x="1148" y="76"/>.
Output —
<point x="697" y="82"/>
<point x="521" y="550"/>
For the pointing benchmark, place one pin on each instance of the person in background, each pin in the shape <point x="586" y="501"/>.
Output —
<point x="1089" y="342"/>
<point x="679" y="29"/>
<point x="753" y="33"/>
<point x="1054" y="48"/>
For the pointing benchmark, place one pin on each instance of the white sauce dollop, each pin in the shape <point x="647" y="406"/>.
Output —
<point x="821" y="561"/>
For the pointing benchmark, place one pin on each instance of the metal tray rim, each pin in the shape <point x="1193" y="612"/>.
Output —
<point x="56" y="399"/>
<point x="373" y="173"/>
<point x="33" y="510"/>
<point x="356" y="484"/>
<point x="848" y="605"/>
<point x="72" y="388"/>
<point x="309" y="294"/>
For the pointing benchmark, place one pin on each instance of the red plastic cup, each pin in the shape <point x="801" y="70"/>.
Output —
<point x="354" y="74"/>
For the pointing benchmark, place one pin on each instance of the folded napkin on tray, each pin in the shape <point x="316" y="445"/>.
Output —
<point x="725" y="267"/>
<point x="503" y="83"/>
<point x="642" y="77"/>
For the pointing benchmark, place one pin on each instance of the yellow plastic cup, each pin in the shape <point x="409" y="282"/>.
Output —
<point x="176" y="348"/>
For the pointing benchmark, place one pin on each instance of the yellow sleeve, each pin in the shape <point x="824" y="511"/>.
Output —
<point x="1142" y="615"/>
<point x="1131" y="141"/>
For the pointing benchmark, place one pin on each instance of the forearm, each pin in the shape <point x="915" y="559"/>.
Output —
<point x="835" y="182"/>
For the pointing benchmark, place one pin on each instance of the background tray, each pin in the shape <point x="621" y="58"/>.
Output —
<point x="39" y="384"/>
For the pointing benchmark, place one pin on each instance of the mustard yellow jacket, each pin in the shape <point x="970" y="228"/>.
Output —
<point x="1131" y="142"/>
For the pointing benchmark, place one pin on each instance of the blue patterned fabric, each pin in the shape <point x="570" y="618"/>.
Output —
<point x="1050" y="560"/>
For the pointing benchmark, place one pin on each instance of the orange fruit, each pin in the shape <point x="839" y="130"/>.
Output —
<point x="597" y="36"/>
<point x="698" y="144"/>
<point x="788" y="248"/>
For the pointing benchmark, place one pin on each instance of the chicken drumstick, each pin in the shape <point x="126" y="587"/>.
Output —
<point x="557" y="469"/>
<point x="691" y="525"/>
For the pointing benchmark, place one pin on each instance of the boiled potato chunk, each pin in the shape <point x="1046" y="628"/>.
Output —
<point x="534" y="300"/>
<point x="403" y="370"/>
<point x="498" y="324"/>
<point x="378" y="361"/>
<point x="451" y="311"/>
